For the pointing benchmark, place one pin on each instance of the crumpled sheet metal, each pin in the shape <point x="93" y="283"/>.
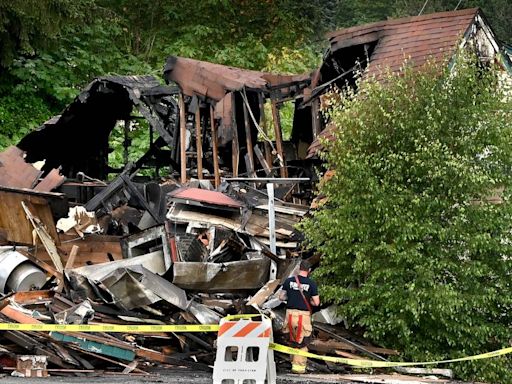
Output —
<point x="154" y="262"/>
<point x="216" y="277"/>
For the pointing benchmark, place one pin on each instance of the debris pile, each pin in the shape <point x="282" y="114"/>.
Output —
<point x="141" y="254"/>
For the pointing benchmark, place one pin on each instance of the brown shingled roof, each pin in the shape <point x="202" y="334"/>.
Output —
<point x="414" y="38"/>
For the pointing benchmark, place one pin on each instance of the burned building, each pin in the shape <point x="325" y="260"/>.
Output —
<point x="376" y="49"/>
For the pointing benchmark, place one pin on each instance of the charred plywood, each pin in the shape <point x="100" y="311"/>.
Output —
<point x="94" y="249"/>
<point x="13" y="220"/>
<point x="15" y="172"/>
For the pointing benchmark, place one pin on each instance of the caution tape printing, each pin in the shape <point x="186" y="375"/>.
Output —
<point x="123" y="328"/>
<point x="108" y="328"/>
<point x="383" y="364"/>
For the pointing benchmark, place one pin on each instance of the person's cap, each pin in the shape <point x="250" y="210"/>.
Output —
<point x="305" y="265"/>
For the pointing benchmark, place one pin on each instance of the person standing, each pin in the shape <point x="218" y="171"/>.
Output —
<point x="300" y="294"/>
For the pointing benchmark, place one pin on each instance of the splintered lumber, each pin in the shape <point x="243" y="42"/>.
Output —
<point x="45" y="238"/>
<point x="41" y="264"/>
<point x="72" y="256"/>
<point x="332" y="346"/>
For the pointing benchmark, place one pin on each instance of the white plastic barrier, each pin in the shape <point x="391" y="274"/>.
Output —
<point x="243" y="354"/>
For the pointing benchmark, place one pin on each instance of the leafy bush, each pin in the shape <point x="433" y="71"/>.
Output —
<point x="414" y="248"/>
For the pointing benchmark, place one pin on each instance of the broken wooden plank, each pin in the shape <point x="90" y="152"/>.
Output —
<point x="264" y="293"/>
<point x="263" y="162"/>
<point x="51" y="181"/>
<point x="43" y="235"/>
<point x="14" y="171"/>
<point x="72" y="256"/>
<point x="32" y="297"/>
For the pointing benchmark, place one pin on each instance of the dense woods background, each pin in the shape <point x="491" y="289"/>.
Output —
<point x="50" y="49"/>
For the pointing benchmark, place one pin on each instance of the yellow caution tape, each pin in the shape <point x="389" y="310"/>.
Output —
<point x="125" y="328"/>
<point x="382" y="364"/>
<point x="116" y="328"/>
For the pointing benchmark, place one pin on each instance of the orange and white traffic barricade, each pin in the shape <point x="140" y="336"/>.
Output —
<point x="243" y="354"/>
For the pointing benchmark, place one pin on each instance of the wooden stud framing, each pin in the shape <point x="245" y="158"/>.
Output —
<point x="263" y="125"/>
<point x="248" y="138"/>
<point x="315" y="123"/>
<point x="215" y="146"/>
<point x="199" y="143"/>
<point x="279" y="139"/>
<point x="234" y="144"/>
<point x="183" y="139"/>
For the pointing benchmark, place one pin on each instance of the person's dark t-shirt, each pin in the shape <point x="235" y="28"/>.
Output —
<point x="295" y="300"/>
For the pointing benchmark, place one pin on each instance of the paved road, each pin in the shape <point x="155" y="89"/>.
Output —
<point x="171" y="377"/>
<point x="187" y="377"/>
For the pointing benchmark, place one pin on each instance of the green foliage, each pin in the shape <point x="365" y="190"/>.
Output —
<point x="413" y="249"/>
<point x="50" y="49"/>
<point x="28" y="25"/>
<point x="19" y="114"/>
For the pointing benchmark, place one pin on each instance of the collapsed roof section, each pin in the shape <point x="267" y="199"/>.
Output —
<point x="376" y="48"/>
<point x="78" y="139"/>
<point x="225" y="105"/>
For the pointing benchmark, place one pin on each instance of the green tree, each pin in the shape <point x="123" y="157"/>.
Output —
<point x="414" y="249"/>
<point x="30" y="25"/>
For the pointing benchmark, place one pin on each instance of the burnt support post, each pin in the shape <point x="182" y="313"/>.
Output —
<point x="215" y="148"/>
<point x="235" y="145"/>
<point x="272" y="229"/>
<point x="263" y="125"/>
<point x="315" y="117"/>
<point x="279" y="139"/>
<point x="183" y="139"/>
<point x="126" y="142"/>
<point x="199" y="143"/>
<point x="248" y="138"/>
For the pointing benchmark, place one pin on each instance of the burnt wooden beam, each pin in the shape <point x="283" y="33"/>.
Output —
<point x="263" y="125"/>
<point x="199" y="143"/>
<point x="215" y="148"/>
<point x="248" y="139"/>
<point x="262" y="160"/>
<point x="315" y="118"/>
<point x="279" y="140"/>
<point x="235" y="145"/>
<point x="183" y="139"/>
